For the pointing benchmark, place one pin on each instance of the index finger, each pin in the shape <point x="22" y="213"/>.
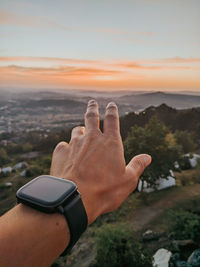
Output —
<point x="92" y="116"/>
<point x="111" y="120"/>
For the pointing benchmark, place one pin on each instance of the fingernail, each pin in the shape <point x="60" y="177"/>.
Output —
<point x="111" y="104"/>
<point x="147" y="159"/>
<point x="92" y="102"/>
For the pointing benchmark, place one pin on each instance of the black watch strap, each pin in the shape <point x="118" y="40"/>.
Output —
<point x="77" y="220"/>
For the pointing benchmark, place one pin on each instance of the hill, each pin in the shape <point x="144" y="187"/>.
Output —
<point x="158" y="98"/>
<point x="186" y="119"/>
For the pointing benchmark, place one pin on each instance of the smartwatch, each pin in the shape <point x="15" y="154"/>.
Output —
<point x="50" y="194"/>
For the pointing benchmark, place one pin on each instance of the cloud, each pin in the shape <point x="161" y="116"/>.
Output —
<point x="48" y="59"/>
<point x="137" y="65"/>
<point x="19" y="20"/>
<point x="157" y="64"/>
<point x="68" y="71"/>
<point x="181" y="60"/>
<point x="144" y="66"/>
<point x="94" y="78"/>
<point x="10" y="18"/>
<point x="80" y="73"/>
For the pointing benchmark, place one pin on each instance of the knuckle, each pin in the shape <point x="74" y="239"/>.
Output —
<point x="60" y="146"/>
<point x="111" y="116"/>
<point x="112" y="107"/>
<point x="92" y="104"/>
<point x="92" y="134"/>
<point x="91" y="114"/>
<point x="76" y="129"/>
<point x="139" y="163"/>
<point x="75" y="139"/>
<point x="111" y="141"/>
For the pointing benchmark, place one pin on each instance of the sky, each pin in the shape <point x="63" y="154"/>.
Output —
<point x="100" y="44"/>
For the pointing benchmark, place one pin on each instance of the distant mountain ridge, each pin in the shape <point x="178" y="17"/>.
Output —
<point x="158" y="98"/>
<point x="130" y="101"/>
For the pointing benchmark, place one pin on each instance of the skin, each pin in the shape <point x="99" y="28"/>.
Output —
<point x="94" y="160"/>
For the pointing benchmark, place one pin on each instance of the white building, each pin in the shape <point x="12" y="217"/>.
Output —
<point x="161" y="183"/>
<point x="6" y="170"/>
<point x="193" y="158"/>
<point x="20" y="165"/>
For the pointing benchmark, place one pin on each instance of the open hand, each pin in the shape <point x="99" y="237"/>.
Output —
<point x="94" y="160"/>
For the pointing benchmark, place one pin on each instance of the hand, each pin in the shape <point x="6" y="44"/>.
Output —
<point x="95" y="162"/>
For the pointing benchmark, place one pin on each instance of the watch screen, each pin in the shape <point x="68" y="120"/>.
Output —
<point x="48" y="189"/>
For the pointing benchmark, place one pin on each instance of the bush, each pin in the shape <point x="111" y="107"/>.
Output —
<point x="34" y="171"/>
<point x="116" y="247"/>
<point x="3" y="157"/>
<point x="184" y="163"/>
<point x="185" y="225"/>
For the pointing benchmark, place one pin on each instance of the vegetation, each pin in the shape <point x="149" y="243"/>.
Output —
<point x="13" y="148"/>
<point x="182" y="120"/>
<point x="156" y="140"/>
<point x="185" y="225"/>
<point x="4" y="159"/>
<point x="162" y="132"/>
<point x="185" y="140"/>
<point x="116" y="246"/>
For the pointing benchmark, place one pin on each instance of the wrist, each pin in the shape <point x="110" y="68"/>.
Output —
<point x="92" y="208"/>
<point x="55" y="225"/>
<point x="52" y="195"/>
<point x="32" y="236"/>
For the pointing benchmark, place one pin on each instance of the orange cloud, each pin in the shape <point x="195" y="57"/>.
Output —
<point x="48" y="59"/>
<point x="159" y="64"/>
<point x="75" y="73"/>
<point x="135" y="65"/>
<point x="92" y="78"/>
<point x="181" y="60"/>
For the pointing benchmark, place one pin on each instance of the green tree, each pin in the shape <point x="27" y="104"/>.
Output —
<point x="117" y="247"/>
<point x="185" y="139"/>
<point x="153" y="139"/>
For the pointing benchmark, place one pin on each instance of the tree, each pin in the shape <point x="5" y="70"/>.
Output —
<point x="156" y="140"/>
<point x="184" y="138"/>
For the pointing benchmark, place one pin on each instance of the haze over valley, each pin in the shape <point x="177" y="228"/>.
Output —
<point x="47" y="111"/>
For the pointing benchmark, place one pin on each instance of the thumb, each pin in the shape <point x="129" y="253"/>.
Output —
<point x="139" y="163"/>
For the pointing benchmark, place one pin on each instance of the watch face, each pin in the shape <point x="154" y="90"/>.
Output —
<point x="46" y="191"/>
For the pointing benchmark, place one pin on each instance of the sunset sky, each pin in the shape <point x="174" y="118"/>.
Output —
<point x="100" y="44"/>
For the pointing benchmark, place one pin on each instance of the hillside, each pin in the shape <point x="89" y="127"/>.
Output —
<point x="138" y="212"/>
<point x="186" y="119"/>
<point x="158" y="98"/>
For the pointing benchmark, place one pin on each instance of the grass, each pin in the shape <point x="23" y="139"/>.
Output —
<point x="188" y="177"/>
<point x="160" y="223"/>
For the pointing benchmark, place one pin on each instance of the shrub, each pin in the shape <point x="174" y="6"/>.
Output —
<point x="4" y="159"/>
<point x="34" y="171"/>
<point x="116" y="247"/>
<point x="185" y="225"/>
<point x="184" y="163"/>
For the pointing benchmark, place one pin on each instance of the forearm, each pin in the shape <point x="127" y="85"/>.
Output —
<point x="31" y="238"/>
